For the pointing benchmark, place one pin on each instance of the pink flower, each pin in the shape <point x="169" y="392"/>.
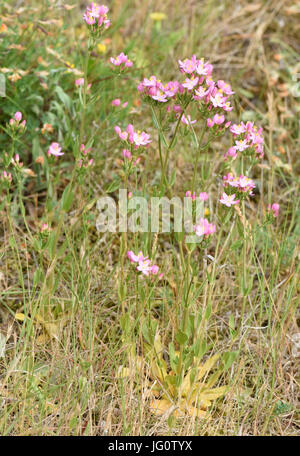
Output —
<point x="228" y="200"/>
<point x="218" y="100"/>
<point x="7" y="177"/>
<point x="188" y="65"/>
<point x="238" y="129"/>
<point x="16" y="161"/>
<point x="242" y="183"/>
<point x="141" y="139"/>
<point x="96" y="15"/>
<point x="144" y="264"/>
<point x="126" y="153"/>
<point x="245" y="184"/>
<point x="124" y="105"/>
<point x="190" y="195"/>
<point x="154" y="269"/>
<point x="227" y="107"/>
<point x="154" y="88"/>
<point x="160" y="96"/>
<point x="137" y="138"/>
<point x="79" y="82"/>
<point x="275" y="208"/>
<point x="122" y="134"/>
<point x="177" y="108"/>
<point x="190" y="84"/>
<point x="203" y="69"/>
<point x="204" y="228"/>
<point x="18" y="116"/>
<point x="151" y="82"/>
<point x="171" y="88"/>
<point x="121" y="61"/>
<point x="231" y="153"/>
<point x="136" y="258"/>
<point x="144" y="267"/>
<point x="45" y="227"/>
<point x="187" y="120"/>
<point x="219" y="119"/>
<point x="130" y="132"/>
<point x="210" y="123"/>
<point x="259" y="149"/>
<point x="203" y="196"/>
<point x="226" y="88"/>
<point x="200" y="93"/>
<point x="55" y="149"/>
<point x="250" y="137"/>
<point x="116" y="102"/>
<point x="241" y="145"/>
<point x="126" y="135"/>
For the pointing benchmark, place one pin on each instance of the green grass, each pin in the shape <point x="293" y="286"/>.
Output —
<point x="84" y="318"/>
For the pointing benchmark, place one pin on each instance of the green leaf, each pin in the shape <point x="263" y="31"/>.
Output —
<point x="181" y="337"/>
<point x="12" y="242"/>
<point x="145" y="331"/>
<point x="67" y="198"/>
<point x="173" y="357"/>
<point x="125" y="322"/>
<point x="228" y="359"/>
<point x="113" y="186"/>
<point x="173" y="178"/>
<point x="207" y="312"/>
<point x="171" y="380"/>
<point x="64" y="98"/>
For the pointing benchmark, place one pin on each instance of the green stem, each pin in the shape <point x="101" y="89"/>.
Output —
<point x="122" y="259"/>
<point x="197" y="157"/>
<point x="83" y="110"/>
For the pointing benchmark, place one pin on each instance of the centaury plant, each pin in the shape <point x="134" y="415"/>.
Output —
<point x="133" y="307"/>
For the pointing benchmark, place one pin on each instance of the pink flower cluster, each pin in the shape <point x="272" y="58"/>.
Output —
<point x="16" y="161"/>
<point x="127" y="154"/>
<point x="205" y="89"/>
<point x="193" y="66"/>
<point x="159" y="92"/>
<point x="45" y="228"/>
<point x="84" y="161"/>
<point x="96" y="16"/>
<point x="15" y="122"/>
<point x="247" y="138"/>
<point x="117" y="102"/>
<point x="275" y="209"/>
<point x="218" y="119"/>
<point x="121" y="61"/>
<point x="144" y="264"/>
<point x="132" y="137"/>
<point x="243" y="184"/>
<point x="204" y="228"/>
<point x="6" y="177"/>
<point x="80" y="83"/>
<point x="203" y="196"/>
<point x="198" y="85"/>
